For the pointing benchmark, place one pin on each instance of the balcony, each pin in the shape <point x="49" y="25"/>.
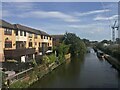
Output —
<point x="18" y="52"/>
<point x="30" y="36"/>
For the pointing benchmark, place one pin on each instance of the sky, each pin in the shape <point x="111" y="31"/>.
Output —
<point x="90" y="20"/>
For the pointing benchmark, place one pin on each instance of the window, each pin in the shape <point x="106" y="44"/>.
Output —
<point x="30" y="44"/>
<point x="24" y="33"/>
<point x="35" y="36"/>
<point x="20" y="44"/>
<point x="8" y="44"/>
<point x="21" y="33"/>
<point x="39" y="44"/>
<point x="30" y="35"/>
<point x="48" y="44"/>
<point x="41" y="36"/>
<point x="16" y="32"/>
<point x="50" y="38"/>
<point x="7" y="31"/>
<point x="35" y="43"/>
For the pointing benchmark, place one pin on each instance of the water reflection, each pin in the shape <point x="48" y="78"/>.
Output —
<point x="101" y="59"/>
<point x="81" y="72"/>
<point x="63" y="75"/>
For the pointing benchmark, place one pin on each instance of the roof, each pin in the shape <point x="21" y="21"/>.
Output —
<point x="28" y="29"/>
<point x="57" y="36"/>
<point x="21" y="27"/>
<point x="5" y="24"/>
<point x="25" y="28"/>
<point x="44" y="33"/>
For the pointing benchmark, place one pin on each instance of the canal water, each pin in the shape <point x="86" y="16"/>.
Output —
<point x="84" y="72"/>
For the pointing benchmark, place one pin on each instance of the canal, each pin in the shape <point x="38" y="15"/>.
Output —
<point x="84" y="72"/>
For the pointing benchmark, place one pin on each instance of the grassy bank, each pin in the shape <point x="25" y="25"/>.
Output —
<point x="38" y="72"/>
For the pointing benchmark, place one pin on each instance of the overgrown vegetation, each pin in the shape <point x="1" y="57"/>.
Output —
<point x="61" y="51"/>
<point x="52" y="58"/>
<point x="31" y="77"/>
<point x="77" y="46"/>
<point x="34" y="62"/>
<point x="112" y="49"/>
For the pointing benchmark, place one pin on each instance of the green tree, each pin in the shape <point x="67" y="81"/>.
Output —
<point x="62" y="49"/>
<point x="77" y="46"/>
<point x="86" y="41"/>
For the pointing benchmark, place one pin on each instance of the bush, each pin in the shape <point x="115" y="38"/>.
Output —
<point x="46" y="59"/>
<point x="61" y="51"/>
<point x="52" y="58"/>
<point x="61" y="58"/>
<point x="34" y="62"/>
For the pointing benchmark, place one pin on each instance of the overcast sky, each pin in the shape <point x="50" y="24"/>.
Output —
<point x="88" y="20"/>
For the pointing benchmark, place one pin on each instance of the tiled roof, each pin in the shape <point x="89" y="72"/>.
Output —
<point x="5" y="24"/>
<point x="28" y="29"/>
<point x="25" y="28"/>
<point x="22" y="27"/>
<point x="44" y="33"/>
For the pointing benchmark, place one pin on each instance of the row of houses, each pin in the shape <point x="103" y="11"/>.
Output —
<point x="22" y="43"/>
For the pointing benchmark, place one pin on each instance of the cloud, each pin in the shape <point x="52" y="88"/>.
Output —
<point x="13" y="9"/>
<point x="110" y="5"/>
<point x="92" y="12"/>
<point x="88" y="25"/>
<point x="94" y="31"/>
<point x="19" y="6"/>
<point x="23" y="5"/>
<point x="106" y="18"/>
<point x="6" y="13"/>
<point x="27" y="10"/>
<point x="93" y="28"/>
<point x="50" y="14"/>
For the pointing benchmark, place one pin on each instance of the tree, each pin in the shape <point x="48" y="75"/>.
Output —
<point x="62" y="50"/>
<point x="86" y="41"/>
<point x="105" y="41"/>
<point x="77" y="46"/>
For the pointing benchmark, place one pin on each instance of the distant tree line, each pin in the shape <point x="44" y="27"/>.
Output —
<point x="111" y="49"/>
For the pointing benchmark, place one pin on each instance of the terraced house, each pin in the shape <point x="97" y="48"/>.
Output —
<point x="22" y="43"/>
<point x="7" y="38"/>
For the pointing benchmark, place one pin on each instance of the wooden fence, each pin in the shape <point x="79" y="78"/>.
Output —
<point x="18" y="76"/>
